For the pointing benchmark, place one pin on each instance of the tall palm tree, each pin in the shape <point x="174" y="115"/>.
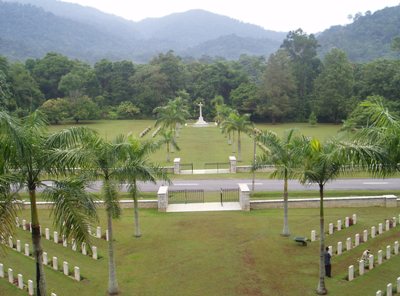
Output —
<point x="169" y="140"/>
<point x="137" y="167"/>
<point x="240" y="124"/>
<point x="29" y="155"/>
<point x="325" y="162"/>
<point x="283" y="153"/>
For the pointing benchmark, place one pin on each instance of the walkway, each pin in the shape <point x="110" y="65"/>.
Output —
<point x="204" y="207"/>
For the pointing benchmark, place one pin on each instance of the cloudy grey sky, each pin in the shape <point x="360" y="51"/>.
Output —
<point x="279" y="15"/>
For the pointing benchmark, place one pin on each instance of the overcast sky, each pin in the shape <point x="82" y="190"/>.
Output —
<point x="280" y="15"/>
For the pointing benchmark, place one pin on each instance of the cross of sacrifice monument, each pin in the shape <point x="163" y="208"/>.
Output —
<point x="200" y="122"/>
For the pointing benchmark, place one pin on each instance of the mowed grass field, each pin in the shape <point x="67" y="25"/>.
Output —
<point x="201" y="145"/>
<point x="215" y="253"/>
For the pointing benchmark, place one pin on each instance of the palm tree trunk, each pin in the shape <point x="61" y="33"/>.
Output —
<point x="112" y="274"/>
<point x="37" y="246"/>
<point x="239" y="147"/>
<point x="136" y="210"/>
<point x="285" y="231"/>
<point x="167" y="152"/>
<point x="321" y="290"/>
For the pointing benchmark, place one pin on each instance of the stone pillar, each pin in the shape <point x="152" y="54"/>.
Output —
<point x="1" y="270"/>
<point x="94" y="250"/>
<point x="162" y="198"/>
<point x="177" y="166"/>
<point x="380" y="228"/>
<point x="348" y="244"/>
<point x="356" y="240"/>
<point x="98" y="232"/>
<point x="339" y="225"/>
<point x="330" y="228"/>
<point x="30" y="288"/>
<point x="47" y="232"/>
<point x="45" y="259"/>
<point x="396" y="247"/>
<point x="373" y="231"/>
<point x="351" y="273"/>
<point x="339" y="248"/>
<point x="77" y="274"/>
<point x="27" y="251"/>
<point x="18" y="245"/>
<point x="10" y="276"/>
<point x="371" y="262"/>
<point x="55" y="238"/>
<point x="65" y="268"/>
<point x="55" y="263"/>
<point x="313" y="235"/>
<point x="365" y="236"/>
<point x="244" y="197"/>
<point x="380" y="255"/>
<point x="20" y="281"/>
<point x="10" y="242"/>
<point x="388" y="252"/>
<point x="354" y="219"/>
<point x="389" y="290"/>
<point x="23" y="224"/>
<point x="232" y="161"/>
<point x="347" y="222"/>
<point x="83" y="247"/>
<point x="361" y="265"/>
<point x="330" y="250"/>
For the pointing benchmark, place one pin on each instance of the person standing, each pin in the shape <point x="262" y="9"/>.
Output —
<point x="327" y="259"/>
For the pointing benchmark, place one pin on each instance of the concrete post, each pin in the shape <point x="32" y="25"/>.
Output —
<point x="162" y="198"/>
<point x="232" y="161"/>
<point x="177" y="166"/>
<point x="244" y="197"/>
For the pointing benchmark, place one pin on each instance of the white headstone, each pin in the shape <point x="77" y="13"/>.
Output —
<point x="339" y="225"/>
<point x="365" y="236"/>
<point x="53" y="294"/>
<point x="45" y="258"/>
<point x="10" y="242"/>
<point x="89" y="229"/>
<point x="65" y="268"/>
<point x="73" y="245"/>
<point x="55" y="237"/>
<point x="330" y="250"/>
<point x="380" y="255"/>
<point x="47" y="233"/>
<point x="330" y="228"/>
<point x="361" y="265"/>
<point x="1" y="270"/>
<point x="389" y="290"/>
<point x="380" y="228"/>
<point x="65" y="242"/>
<point x="27" y="251"/>
<point x="30" y="288"/>
<point x="313" y="235"/>
<point x="398" y="285"/>
<point x="98" y="232"/>
<point x="394" y="222"/>
<point x="55" y="263"/>
<point x="387" y="225"/>
<point x="388" y="252"/>
<point x="339" y="248"/>
<point x="373" y="231"/>
<point x="30" y="227"/>
<point x="379" y="293"/>
<point x="94" y="250"/>
<point x="40" y="230"/>
<point x="10" y="276"/>
<point x="107" y="236"/>
<point x="347" y="222"/>
<point x="396" y="247"/>
<point x="356" y="240"/>
<point x="371" y="261"/>
<point x="24" y="224"/>
<point x="351" y="273"/>
<point x="354" y="219"/>
<point x="18" y="245"/>
<point x="77" y="274"/>
<point x="17" y="221"/>
<point x="20" y="281"/>
<point x="84" y="252"/>
<point x="348" y="243"/>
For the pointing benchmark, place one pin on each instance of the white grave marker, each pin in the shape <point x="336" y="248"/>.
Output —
<point x="24" y="224"/>
<point x="389" y="290"/>
<point x="356" y="240"/>
<point x="56" y="237"/>
<point x="348" y="244"/>
<point x="365" y="236"/>
<point x="361" y="265"/>
<point x="339" y="248"/>
<point x="354" y="219"/>
<point x="20" y="281"/>
<point x="45" y="258"/>
<point x="373" y="231"/>
<point x="30" y="287"/>
<point x="388" y="252"/>
<point x="10" y="276"/>
<point x="380" y="228"/>
<point x="55" y="263"/>
<point x="18" y="245"/>
<point x="351" y="273"/>
<point x="347" y="222"/>
<point x="313" y="235"/>
<point x="1" y="270"/>
<point x="77" y="274"/>
<point x="47" y="233"/>
<point x="94" y="250"/>
<point x="371" y="262"/>
<point x="380" y="255"/>
<point x="339" y="225"/>
<point x="98" y="232"/>
<point x="330" y="228"/>
<point x="396" y="247"/>
<point x="387" y="226"/>
<point x="65" y="268"/>
<point x="27" y="250"/>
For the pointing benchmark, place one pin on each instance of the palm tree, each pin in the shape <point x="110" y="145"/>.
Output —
<point x="137" y="167"/>
<point x="240" y="124"/>
<point x="169" y="140"/>
<point x="29" y="155"/>
<point x="283" y="153"/>
<point x="325" y="162"/>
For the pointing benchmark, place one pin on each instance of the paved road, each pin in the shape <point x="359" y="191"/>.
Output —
<point x="270" y="185"/>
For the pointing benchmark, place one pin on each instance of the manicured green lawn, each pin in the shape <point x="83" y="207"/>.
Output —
<point x="201" y="145"/>
<point x="216" y="253"/>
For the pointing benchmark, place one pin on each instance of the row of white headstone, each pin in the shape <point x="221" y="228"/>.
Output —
<point x="98" y="232"/>
<point x="20" y="280"/>
<point x="339" y="226"/>
<point x="389" y="289"/>
<point x="361" y="263"/>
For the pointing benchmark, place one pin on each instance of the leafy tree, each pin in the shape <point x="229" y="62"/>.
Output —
<point x="30" y="155"/>
<point x="333" y="88"/>
<point x="172" y="114"/>
<point x="83" y="108"/>
<point x="284" y="154"/>
<point x="243" y="97"/>
<point x="56" y="110"/>
<point x="312" y="119"/>
<point x="126" y="110"/>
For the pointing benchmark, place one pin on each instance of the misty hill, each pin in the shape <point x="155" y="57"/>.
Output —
<point x="367" y="38"/>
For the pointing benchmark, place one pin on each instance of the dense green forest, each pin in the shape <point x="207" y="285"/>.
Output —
<point x="290" y="86"/>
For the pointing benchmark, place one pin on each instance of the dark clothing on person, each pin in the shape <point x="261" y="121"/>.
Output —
<point x="328" y="267"/>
